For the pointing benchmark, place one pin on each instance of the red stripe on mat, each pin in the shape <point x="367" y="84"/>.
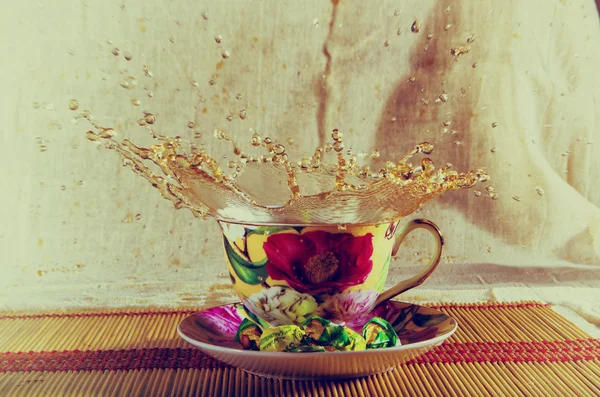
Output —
<point x="177" y="358"/>
<point x="476" y="306"/>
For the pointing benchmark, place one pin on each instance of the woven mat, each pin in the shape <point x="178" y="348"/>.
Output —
<point x="521" y="349"/>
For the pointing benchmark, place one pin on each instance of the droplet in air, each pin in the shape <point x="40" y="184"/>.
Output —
<point x="172" y="39"/>
<point x="191" y="124"/>
<point x="338" y="146"/>
<point x="386" y="43"/>
<point x="135" y="102"/>
<point x="375" y="154"/>
<point x="229" y="117"/>
<point x="63" y="187"/>
<point x="115" y="51"/>
<point x="205" y="16"/>
<point x="138" y="217"/>
<point x="238" y="96"/>
<point x="416" y="27"/>
<point x="80" y="183"/>
<point x="212" y="82"/>
<point x="474" y="65"/>
<point x="412" y="79"/>
<point x="471" y="39"/>
<point x="493" y="150"/>
<point x="225" y="54"/>
<point x="443" y="97"/>
<point x="516" y="198"/>
<point x="141" y="122"/>
<point x="447" y="27"/>
<point x="91" y="135"/>
<point x="73" y="104"/>
<point x="495" y="196"/>
<point x="129" y="82"/>
<point x="477" y="193"/>
<point x="279" y="149"/>
<point x="255" y="139"/>
<point x="539" y="190"/>
<point x="147" y="71"/>
<point x="128" y="56"/>
<point x="43" y="148"/>
<point x="290" y="141"/>
<point x="337" y="135"/>
<point x="218" y="39"/>
<point x="494" y="125"/>
<point x="149" y="118"/>
<point x="107" y="133"/>
<point x="243" y="114"/>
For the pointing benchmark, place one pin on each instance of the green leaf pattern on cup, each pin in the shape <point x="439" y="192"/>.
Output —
<point x="247" y="271"/>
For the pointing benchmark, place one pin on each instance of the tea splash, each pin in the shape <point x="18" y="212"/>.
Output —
<point x="315" y="192"/>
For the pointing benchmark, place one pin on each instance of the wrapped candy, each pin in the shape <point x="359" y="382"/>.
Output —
<point x="331" y="336"/>
<point x="378" y="333"/>
<point x="282" y="338"/>
<point x="248" y="335"/>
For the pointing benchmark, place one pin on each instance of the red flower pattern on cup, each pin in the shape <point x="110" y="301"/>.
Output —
<point x="319" y="261"/>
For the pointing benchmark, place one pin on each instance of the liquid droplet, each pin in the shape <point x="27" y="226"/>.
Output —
<point x="493" y="150"/>
<point x="336" y="135"/>
<point x="416" y="27"/>
<point x="218" y="39"/>
<point x="447" y="27"/>
<point x="243" y="114"/>
<point x="386" y="43"/>
<point x="107" y="133"/>
<point x="495" y="196"/>
<point x="444" y="97"/>
<point x="338" y="146"/>
<point x="73" y="104"/>
<point x="129" y="82"/>
<point x="149" y="118"/>
<point x="205" y="16"/>
<point x="141" y="122"/>
<point x="375" y="154"/>
<point x="238" y="96"/>
<point x="91" y="135"/>
<point x="43" y="148"/>
<point x="225" y="54"/>
<point x="412" y="79"/>
<point x="475" y="65"/>
<point x="115" y="51"/>
<point x="147" y="71"/>
<point x="63" y="187"/>
<point x="539" y="190"/>
<point x="135" y="102"/>
<point x="138" y="217"/>
<point x="128" y="56"/>
<point x="494" y="125"/>
<point x="290" y="141"/>
<point x="279" y="149"/>
<point x="429" y="36"/>
<point x="172" y="39"/>
<point x="212" y="81"/>
<point x="255" y="139"/>
<point x="477" y="193"/>
<point x="516" y="198"/>
<point x="191" y="124"/>
<point x="229" y="117"/>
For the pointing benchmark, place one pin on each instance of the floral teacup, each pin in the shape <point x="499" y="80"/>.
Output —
<point x="284" y="274"/>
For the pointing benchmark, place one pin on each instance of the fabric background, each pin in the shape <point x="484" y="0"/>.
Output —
<point x="70" y="235"/>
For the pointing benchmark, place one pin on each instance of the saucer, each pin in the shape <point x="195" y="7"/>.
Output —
<point x="419" y="329"/>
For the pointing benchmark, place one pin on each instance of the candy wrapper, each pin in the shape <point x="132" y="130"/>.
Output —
<point x="248" y="335"/>
<point x="378" y="333"/>
<point x="332" y="337"/>
<point x="282" y="338"/>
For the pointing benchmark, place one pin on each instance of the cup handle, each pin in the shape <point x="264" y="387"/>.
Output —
<point x="417" y="279"/>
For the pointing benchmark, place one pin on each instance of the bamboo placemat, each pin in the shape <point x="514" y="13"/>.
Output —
<point x="508" y="349"/>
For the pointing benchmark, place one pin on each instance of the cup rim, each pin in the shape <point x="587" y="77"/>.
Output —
<point x="358" y="224"/>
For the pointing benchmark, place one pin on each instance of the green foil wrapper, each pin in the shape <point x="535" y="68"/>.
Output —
<point x="356" y="341"/>
<point x="248" y="335"/>
<point x="378" y="334"/>
<point x="331" y="336"/>
<point x="282" y="338"/>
